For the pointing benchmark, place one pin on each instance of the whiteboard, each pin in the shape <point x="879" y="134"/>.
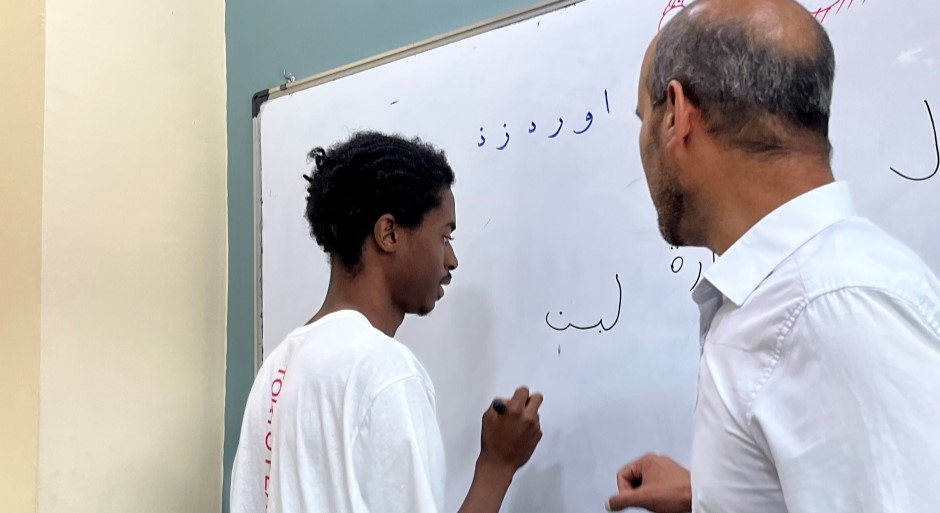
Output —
<point x="564" y="282"/>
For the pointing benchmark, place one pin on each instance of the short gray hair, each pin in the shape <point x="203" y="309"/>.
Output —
<point x="754" y="96"/>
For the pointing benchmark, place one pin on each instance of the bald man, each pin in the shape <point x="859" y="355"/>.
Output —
<point x="819" y="382"/>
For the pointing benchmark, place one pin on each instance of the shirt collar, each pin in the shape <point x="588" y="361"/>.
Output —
<point x="738" y="272"/>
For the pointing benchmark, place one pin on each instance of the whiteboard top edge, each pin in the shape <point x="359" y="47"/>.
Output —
<point x="446" y="38"/>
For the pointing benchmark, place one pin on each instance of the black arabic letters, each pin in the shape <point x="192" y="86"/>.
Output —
<point x="679" y="261"/>
<point x="600" y="323"/>
<point x="936" y="149"/>
<point x="697" y="278"/>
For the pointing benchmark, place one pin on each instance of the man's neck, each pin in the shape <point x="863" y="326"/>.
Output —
<point x="755" y="190"/>
<point x="364" y="294"/>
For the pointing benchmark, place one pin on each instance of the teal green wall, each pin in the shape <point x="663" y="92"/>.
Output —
<point x="263" y="37"/>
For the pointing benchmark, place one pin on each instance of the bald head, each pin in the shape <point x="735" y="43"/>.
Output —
<point x="783" y="23"/>
<point x="760" y="71"/>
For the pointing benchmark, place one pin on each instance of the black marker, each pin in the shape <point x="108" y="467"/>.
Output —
<point x="499" y="406"/>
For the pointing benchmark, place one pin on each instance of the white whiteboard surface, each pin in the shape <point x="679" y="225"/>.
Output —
<point x="549" y="225"/>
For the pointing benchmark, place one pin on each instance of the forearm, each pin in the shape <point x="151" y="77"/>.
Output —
<point x="488" y="489"/>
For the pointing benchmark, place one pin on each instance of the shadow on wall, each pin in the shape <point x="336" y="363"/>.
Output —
<point x="460" y="364"/>
<point x="538" y="490"/>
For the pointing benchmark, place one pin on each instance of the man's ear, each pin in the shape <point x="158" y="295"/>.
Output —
<point x="387" y="233"/>
<point x="677" y="120"/>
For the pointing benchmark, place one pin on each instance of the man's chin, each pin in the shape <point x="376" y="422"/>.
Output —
<point x="669" y="231"/>
<point x="425" y="311"/>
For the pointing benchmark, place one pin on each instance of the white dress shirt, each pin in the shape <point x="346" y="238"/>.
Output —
<point x="819" y="386"/>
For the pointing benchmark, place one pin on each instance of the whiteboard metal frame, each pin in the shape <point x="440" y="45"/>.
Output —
<point x="261" y="97"/>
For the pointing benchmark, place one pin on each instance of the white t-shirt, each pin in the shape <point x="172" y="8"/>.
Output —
<point x="340" y="419"/>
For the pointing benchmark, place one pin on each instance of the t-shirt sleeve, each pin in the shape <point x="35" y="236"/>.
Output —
<point x="398" y="453"/>
<point x="851" y="414"/>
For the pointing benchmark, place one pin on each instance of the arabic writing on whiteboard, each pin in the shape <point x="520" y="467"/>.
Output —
<point x="554" y="130"/>
<point x="936" y="149"/>
<point x="819" y="13"/>
<point x="600" y="326"/>
<point x="678" y="263"/>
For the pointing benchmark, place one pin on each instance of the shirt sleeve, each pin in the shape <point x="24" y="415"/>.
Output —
<point x="399" y="453"/>
<point x="850" y="415"/>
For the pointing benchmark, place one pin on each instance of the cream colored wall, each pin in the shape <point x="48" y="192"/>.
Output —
<point x="21" y="87"/>
<point x="133" y="257"/>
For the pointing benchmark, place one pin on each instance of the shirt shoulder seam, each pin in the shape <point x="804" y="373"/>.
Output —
<point x="796" y="312"/>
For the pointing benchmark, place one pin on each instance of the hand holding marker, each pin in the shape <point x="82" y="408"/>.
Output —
<point x="511" y="429"/>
